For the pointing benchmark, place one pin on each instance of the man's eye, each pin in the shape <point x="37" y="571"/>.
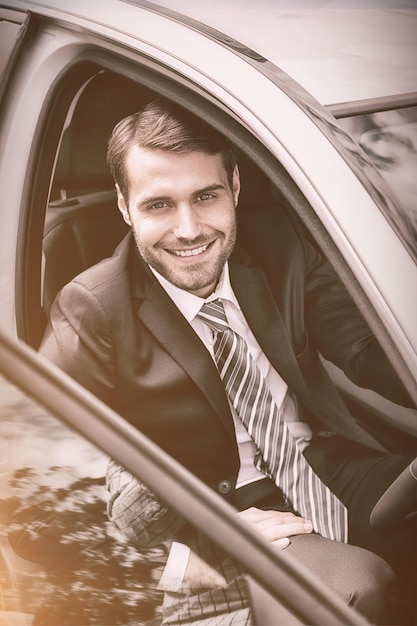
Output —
<point x="206" y="196"/>
<point x="157" y="205"/>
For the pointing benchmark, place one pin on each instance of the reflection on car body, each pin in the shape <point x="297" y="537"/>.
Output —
<point x="390" y="140"/>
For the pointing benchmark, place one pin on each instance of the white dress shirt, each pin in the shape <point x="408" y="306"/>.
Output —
<point x="190" y="305"/>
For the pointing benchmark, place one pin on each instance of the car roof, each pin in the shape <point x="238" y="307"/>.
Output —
<point x="338" y="50"/>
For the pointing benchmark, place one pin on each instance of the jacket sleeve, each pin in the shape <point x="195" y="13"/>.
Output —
<point x="339" y="332"/>
<point x="315" y="305"/>
<point x="136" y="511"/>
<point x="78" y="340"/>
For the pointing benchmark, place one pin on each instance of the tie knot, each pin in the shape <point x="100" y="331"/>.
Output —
<point x="212" y="314"/>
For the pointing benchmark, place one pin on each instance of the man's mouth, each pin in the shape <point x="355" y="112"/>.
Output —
<point x="193" y="252"/>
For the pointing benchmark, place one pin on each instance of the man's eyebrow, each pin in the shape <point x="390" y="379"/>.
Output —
<point x="209" y="188"/>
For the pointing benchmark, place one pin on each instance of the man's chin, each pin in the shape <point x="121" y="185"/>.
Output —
<point x="190" y="284"/>
<point x="196" y="277"/>
<point x="191" y="279"/>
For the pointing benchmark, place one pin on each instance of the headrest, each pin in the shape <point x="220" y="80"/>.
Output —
<point x="104" y="101"/>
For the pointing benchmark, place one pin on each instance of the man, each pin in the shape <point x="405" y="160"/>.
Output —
<point x="136" y="331"/>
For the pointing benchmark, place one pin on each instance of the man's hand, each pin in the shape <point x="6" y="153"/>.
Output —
<point x="276" y="526"/>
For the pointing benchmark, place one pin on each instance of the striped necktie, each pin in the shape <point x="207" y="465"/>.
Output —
<point x="282" y="460"/>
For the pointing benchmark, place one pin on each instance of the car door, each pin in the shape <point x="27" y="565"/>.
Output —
<point x="63" y="562"/>
<point x="73" y="78"/>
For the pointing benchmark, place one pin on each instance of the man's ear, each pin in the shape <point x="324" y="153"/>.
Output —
<point x="121" y="203"/>
<point x="236" y="185"/>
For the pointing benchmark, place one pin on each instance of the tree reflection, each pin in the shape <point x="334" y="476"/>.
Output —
<point x="390" y="140"/>
<point x="87" y="574"/>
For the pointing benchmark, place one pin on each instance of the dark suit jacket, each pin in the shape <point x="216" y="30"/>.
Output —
<point x="115" y="330"/>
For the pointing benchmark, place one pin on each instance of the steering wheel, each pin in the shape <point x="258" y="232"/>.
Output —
<point x="398" y="505"/>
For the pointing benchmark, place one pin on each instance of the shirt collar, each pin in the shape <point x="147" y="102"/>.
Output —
<point x="190" y="304"/>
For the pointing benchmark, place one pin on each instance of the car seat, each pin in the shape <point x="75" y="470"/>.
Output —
<point x="82" y="223"/>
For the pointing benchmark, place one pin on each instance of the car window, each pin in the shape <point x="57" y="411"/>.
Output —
<point x="390" y="140"/>
<point x="82" y="224"/>
<point x="61" y="560"/>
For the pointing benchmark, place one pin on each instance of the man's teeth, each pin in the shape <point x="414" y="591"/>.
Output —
<point x="190" y="252"/>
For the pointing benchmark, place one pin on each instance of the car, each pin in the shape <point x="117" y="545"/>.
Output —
<point x="320" y="100"/>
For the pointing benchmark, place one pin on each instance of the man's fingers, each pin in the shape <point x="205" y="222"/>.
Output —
<point x="279" y="531"/>
<point x="281" y="544"/>
<point x="254" y="515"/>
<point x="276" y="525"/>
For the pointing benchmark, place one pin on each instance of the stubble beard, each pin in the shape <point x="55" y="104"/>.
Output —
<point x="193" y="277"/>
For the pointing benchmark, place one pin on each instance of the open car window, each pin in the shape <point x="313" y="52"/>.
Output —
<point x="62" y="561"/>
<point x="76" y="223"/>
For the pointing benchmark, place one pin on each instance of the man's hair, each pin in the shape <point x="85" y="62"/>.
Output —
<point x="163" y="125"/>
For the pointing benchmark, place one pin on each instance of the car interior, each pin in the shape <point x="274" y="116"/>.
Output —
<point x="82" y="222"/>
<point x="82" y="225"/>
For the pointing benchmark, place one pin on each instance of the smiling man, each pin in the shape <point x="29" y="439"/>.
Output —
<point x="184" y="227"/>
<point x="205" y="336"/>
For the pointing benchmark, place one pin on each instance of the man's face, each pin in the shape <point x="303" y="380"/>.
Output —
<point x="182" y="213"/>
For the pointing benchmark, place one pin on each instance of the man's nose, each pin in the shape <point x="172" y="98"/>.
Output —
<point x="187" y="223"/>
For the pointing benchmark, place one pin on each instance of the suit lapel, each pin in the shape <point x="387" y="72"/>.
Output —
<point x="266" y="323"/>
<point x="164" y="320"/>
<point x="261" y="311"/>
<point x="157" y="311"/>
